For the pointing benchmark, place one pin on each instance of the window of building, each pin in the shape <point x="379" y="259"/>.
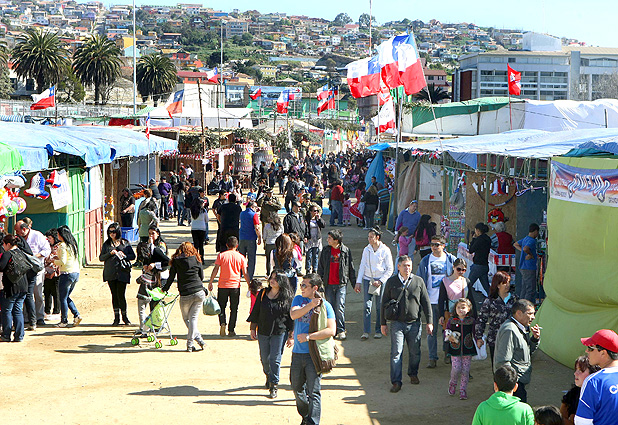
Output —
<point x="512" y="60"/>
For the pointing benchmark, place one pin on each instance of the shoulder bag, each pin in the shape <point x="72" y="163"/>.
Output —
<point x="391" y="311"/>
<point x="324" y="352"/>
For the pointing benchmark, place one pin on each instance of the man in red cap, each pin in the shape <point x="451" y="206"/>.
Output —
<point x="598" y="402"/>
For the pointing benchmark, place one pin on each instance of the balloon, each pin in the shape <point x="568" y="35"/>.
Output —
<point x="22" y="205"/>
<point x="11" y="209"/>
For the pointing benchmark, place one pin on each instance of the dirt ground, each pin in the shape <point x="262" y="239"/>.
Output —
<point x="92" y="374"/>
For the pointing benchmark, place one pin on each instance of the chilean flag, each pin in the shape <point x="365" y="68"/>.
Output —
<point x="283" y="101"/>
<point x="386" y="118"/>
<point x="327" y="103"/>
<point x="213" y="75"/>
<point x="384" y="95"/>
<point x="256" y="93"/>
<point x="514" y="81"/>
<point x="323" y="92"/>
<point x="174" y="103"/>
<point x="400" y="64"/>
<point x="364" y="77"/>
<point x="148" y="126"/>
<point x="45" y="100"/>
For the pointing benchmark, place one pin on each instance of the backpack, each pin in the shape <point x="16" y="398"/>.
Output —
<point x="324" y="353"/>
<point x="18" y="265"/>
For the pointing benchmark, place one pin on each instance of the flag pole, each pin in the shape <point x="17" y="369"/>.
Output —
<point x="510" y="112"/>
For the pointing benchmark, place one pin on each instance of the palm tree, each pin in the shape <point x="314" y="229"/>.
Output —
<point x="4" y="53"/>
<point x="39" y="56"/>
<point x="97" y="63"/>
<point x="156" y="75"/>
<point x="432" y="94"/>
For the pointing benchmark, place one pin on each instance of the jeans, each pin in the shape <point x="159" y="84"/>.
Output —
<point x="480" y="273"/>
<point x="164" y="207"/>
<point x="234" y="295"/>
<point x="268" y="248"/>
<point x="369" y="214"/>
<point x="336" y="210"/>
<point x="186" y="213"/>
<point x="248" y="248"/>
<point x="66" y="284"/>
<point x="119" y="301"/>
<point x="367" y="312"/>
<point x="126" y="220"/>
<point x="288" y="203"/>
<point x="384" y="210"/>
<point x="198" y="241"/>
<point x="312" y="259"/>
<point x="306" y="386"/>
<point x="335" y="295"/>
<point x="51" y="295"/>
<point x="528" y="285"/>
<point x="432" y="340"/>
<point x="411" y="333"/>
<point x="39" y="302"/>
<point x="12" y="313"/>
<point x="29" y="308"/>
<point x="271" y="348"/>
<point x="181" y="209"/>
<point x="190" y="306"/>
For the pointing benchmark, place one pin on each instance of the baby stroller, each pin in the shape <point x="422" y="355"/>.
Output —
<point x="157" y="321"/>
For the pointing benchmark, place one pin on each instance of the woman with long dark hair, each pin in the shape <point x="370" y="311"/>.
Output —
<point x="272" y="325"/>
<point x="285" y="259"/>
<point x="371" y="206"/>
<point x="127" y="207"/>
<point x="14" y="291"/>
<point x="186" y="265"/>
<point x="199" y="223"/>
<point x="68" y="264"/>
<point x="313" y="246"/>
<point x="50" y="284"/>
<point x="423" y="234"/>
<point x="480" y="246"/>
<point x="272" y="230"/>
<point x="115" y="249"/>
<point x="496" y="309"/>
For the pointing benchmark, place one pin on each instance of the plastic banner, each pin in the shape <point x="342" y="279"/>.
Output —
<point x="61" y="195"/>
<point x="584" y="185"/>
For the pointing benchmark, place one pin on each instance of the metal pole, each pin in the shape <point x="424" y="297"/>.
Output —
<point x="199" y="96"/>
<point x="370" y="39"/>
<point x="134" y="64"/>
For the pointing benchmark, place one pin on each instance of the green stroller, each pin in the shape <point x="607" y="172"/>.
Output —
<point x="157" y="323"/>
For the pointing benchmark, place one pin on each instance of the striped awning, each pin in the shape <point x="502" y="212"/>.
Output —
<point x="12" y="118"/>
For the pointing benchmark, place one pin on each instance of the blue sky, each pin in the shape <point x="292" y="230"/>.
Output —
<point x="593" y="21"/>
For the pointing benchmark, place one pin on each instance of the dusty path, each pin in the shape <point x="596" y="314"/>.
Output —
<point x="92" y="375"/>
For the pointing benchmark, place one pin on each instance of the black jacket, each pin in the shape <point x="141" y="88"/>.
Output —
<point x="414" y="299"/>
<point x="270" y="316"/>
<point x="293" y="223"/>
<point x="480" y="247"/>
<point x="347" y="274"/>
<point x="189" y="273"/>
<point x="111" y="266"/>
<point x="11" y="288"/>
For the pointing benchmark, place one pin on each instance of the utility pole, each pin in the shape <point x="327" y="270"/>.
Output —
<point x="134" y="64"/>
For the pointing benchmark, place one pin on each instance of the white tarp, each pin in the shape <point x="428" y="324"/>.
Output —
<point x="213" y="117"/>
<point x="431" y="189"/>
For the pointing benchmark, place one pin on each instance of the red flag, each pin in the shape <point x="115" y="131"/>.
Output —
<point x="45" y="100"/>
<point x="384" y="95"/>
<point x="514" y="81"/>
<point x="174" y="103"/>
<point x="328" y="103"/>
<point x="257" y="93"/>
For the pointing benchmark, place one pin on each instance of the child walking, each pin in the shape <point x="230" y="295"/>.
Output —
<point x="403" y="242"/>
<point x="460" y="336"/>
<point x="346" y="210"/>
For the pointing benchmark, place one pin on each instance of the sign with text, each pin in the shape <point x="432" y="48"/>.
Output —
<point x="583" y="185"/>
<point x="61" y="196"/>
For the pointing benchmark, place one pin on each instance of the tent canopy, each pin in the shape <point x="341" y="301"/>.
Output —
<point x="278" y="124"/>
<point x="522" y="144"/>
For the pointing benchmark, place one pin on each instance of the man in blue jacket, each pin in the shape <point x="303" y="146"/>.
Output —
<point x="432" y="269"/>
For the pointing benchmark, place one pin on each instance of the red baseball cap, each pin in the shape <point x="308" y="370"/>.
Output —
<point x="605" y="338"/>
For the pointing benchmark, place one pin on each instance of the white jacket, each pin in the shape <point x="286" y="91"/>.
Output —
<point x="375" y="265"/>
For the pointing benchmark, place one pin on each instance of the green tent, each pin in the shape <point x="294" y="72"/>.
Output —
<point x="10" y="159"/>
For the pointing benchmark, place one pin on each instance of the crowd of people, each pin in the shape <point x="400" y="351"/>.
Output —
<point x="304" y="308"/>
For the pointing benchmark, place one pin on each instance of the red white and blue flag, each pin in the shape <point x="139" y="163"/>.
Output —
<point x="514" y="81"/>
<point x="45" y="100"/>
<point x="283" y="101"/>
<point x="322" y="92"/>
<point x="256" y="93"/>
<point x="384" y="95"/>
<point x="327" y="103"/>
<point x="148" y="126"/>
<point x="213" y="75"/>
<point x="400" y="64"/>
<point x="364" y="77"/>
<point x="174" y="103"/>
<point x="385" y="118"/>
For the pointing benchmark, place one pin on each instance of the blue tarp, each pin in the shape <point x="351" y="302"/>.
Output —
<point x="522" y="143"/>
<point x="376" y="169"/>
<point x="126" y="142"/>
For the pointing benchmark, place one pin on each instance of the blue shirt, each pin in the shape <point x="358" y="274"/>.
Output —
<point x="247" y="226"/>
<point x="301" y="325"/>
<point x="408" y="220"/>
<point x="523" y="263"/>
<point x="599" y="397"/>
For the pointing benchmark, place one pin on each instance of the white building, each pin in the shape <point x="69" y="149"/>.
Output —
<point x="549" y="71"/>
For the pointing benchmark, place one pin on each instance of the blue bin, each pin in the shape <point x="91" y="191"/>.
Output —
<point x="130" y="234"/>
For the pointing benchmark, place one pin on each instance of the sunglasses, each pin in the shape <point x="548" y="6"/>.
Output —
<point x="304" y="285"/>
<point x="459" y="269"/>
<point x="436" y="244"/>
<point x="597" y="348"/>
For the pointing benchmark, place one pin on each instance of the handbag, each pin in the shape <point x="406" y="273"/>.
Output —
<point x="372" y="290"/>
<point x="210" y="306"/>
<point x="391" y="310"/>
<point x="36" y="264"/>
<point x="481" y="353"/>
<point x="125" y="265"/>
<point x="146" y="278"/>
<point x="324" y="352"/>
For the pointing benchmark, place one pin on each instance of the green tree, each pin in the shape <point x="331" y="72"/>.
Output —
<point x="156" y="76"/>
<point x="4" y="53"/>
<point x="214" y="58"/>
<point x="70" y="89"/>
<point x="97" y="63"/>
<point x="432" y="94"/>
<point x="342" y="19"/>
<point x="39" y="56"/>
<point x="6" y="88"/>
<point x="363" y="20"/>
